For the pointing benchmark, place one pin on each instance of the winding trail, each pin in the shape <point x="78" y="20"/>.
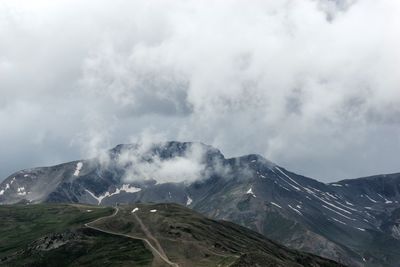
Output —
<point x="159" y="251"/>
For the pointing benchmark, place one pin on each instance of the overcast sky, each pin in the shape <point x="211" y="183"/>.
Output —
<point x="312" y="85"/>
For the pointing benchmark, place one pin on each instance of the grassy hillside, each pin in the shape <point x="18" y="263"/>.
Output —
<point x="153" y="235"/>
<point x="54" y="235"/>
<point x="190" y="239"/>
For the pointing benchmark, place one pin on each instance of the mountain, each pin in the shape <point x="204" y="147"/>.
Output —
<point x="134" y="235"/>
<point x="355" y="222"/>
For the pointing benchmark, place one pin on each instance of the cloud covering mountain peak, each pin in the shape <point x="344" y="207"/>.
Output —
<point x="311" y="84"/>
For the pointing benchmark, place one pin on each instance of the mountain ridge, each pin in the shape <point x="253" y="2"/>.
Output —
<point x="345" y="220"/>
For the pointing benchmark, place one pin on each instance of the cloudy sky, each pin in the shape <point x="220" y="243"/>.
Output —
<point x="312" y="85"/>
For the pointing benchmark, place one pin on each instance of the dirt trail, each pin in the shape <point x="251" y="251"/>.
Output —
<point x="149" y="235"/>
<point x="157" y="252"/>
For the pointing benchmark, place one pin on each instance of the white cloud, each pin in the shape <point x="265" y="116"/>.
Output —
<point x="142" y="163"/>
<point x="311" y="84"/>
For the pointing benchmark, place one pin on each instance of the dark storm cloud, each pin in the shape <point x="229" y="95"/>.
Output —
<point x="312" y="85"/>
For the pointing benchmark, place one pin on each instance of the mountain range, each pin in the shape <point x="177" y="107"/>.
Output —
<point x="355" y="222"/>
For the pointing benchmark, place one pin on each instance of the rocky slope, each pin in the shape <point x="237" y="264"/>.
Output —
<point x="355" y="222"/>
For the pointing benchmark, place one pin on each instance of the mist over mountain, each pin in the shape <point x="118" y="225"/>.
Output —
<point x="311" y="84"/>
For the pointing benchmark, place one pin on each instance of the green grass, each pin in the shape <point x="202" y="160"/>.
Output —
<point x="93" y="248"/>
<point x="21" y="226"/>
<point x="54" y="235"/>
<point x="190" y="239"/>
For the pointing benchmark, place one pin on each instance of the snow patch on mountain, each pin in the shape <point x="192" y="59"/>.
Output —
<point x="277" y="168"/>
<point x="339" y="221"/>
<point x="188" y="201"/>
<point x="273" y="203"/>
<point x="386" y="200"/>
<point x="5" y="189"/>
<point x="296" y="210"/>
<point x="332" y="205"/>
<point x="373" y="200"/>
<point x="332" y="196"/>
<point x="287" y="189"/>
<point x="295" y="187"/>
<point x="124" y="188"/>
<point x="21" y="191"/>
<point x="344" y="216"/>
<point x="135" y="210"/>
<point x="250" y="191"/>
<point x="337" y="202"/>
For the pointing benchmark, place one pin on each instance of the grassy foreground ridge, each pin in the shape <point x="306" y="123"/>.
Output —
<point x="134" y="235"/>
